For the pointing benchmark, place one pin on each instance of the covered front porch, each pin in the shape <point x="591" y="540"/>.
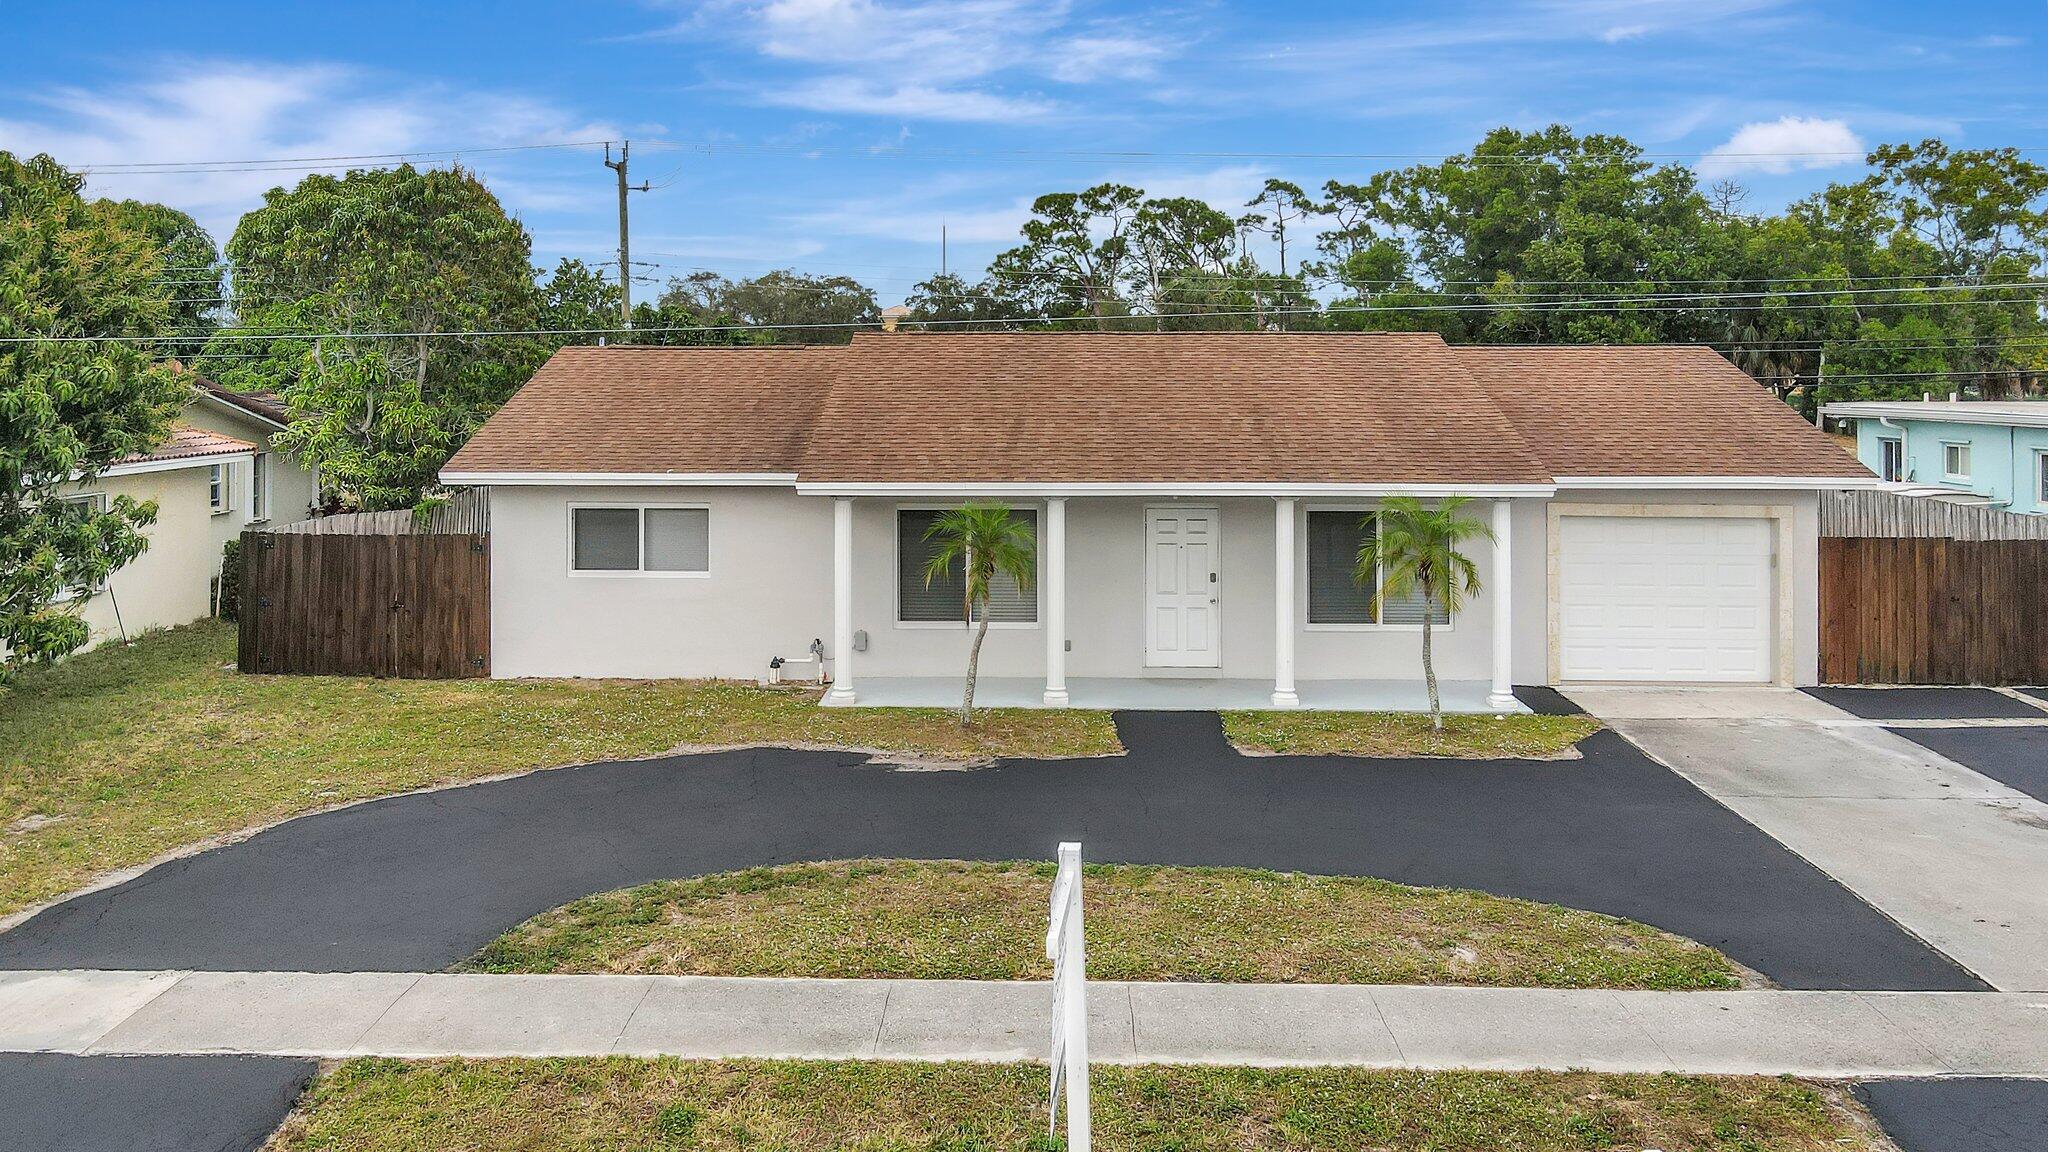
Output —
<point x="1178" y="694"/>
<point x="1154" y="600"/>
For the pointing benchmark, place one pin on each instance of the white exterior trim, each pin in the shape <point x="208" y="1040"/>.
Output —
<point x="138" y="467"/>
<point x="749" y="479"/>
<point x="2010" y="414"/>
<point x="1720" y="483"/>
<point x="1274" y="488"/>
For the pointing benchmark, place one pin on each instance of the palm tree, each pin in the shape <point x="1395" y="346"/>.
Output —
<point x="985" y="540"/>
<point x="1415" y="547"/>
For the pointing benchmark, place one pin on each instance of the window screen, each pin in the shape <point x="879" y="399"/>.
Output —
<point x="1334" y="595"/>
<point x="944" y="600"/>
<point x="607" y="539"/>
<point x="678" y="540"/>
<point x="1956" y="459"/>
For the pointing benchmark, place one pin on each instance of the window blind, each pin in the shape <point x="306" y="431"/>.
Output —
<point x="1334" y="596"/>
<point x="944" y="599"/>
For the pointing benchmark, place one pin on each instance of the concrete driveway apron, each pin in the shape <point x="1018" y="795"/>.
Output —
<point x="1954" y="856"/>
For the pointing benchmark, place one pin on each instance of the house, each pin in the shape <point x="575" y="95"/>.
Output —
<point x="1994" y="451"/>
<point x="1197" y="497"/>
<point x="214" y="476"/>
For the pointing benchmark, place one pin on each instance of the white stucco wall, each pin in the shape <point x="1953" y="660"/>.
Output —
<point x="171" y="582"/>
<point x="769" y="592"/>
<point x="293" y="486"/>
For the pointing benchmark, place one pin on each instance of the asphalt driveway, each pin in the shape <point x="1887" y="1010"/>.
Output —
<point x="1960" y="1115"/>
<point x="53" y="1103"/>
<point x="420" y="882"/>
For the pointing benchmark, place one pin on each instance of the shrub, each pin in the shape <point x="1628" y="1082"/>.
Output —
<point x="228" y="585"/>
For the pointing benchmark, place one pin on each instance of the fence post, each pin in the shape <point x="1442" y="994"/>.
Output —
<point x="1066" y="947"/>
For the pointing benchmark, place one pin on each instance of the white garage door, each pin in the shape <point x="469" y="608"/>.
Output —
<point x="1657" y="598"/>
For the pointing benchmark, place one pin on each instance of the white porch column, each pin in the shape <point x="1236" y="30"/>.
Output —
<point x="1283" y="604"/>
<point x="1052" y="569"/>
<point x="842" y="604"/>
<point x="1502" y="693"/>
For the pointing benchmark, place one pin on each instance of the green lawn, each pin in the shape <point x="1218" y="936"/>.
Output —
<point x="956" y="920"/>
<point x="1405" y="734"/>
<point x="116" y="756"/>
<point x="621" y="1105"/>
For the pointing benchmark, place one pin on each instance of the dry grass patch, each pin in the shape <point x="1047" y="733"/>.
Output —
<point x="1405" y="734"/>
<point x="975" y="921"/>
<point x="615" y="1105"/>
<point x="119" y="755"/>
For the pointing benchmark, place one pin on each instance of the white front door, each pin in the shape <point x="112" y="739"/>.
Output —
<point x="1183" y="595"/>
<point x="1685" y="598"/>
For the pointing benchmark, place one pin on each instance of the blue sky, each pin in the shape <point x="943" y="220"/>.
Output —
<point x="837" y="135"/>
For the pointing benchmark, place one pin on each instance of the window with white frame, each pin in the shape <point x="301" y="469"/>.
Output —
<point x="2041" y="476"/>
<point x="1891" y="458"/>
<point x="92" y="504"/>
<point x="652" y="539"/>
<point x="259" y="486"/>
<point x="944" y="599"/>
<point x="1955" y="461"/>
<point x="220" y="479"/>
<point x="1335" y="596"/>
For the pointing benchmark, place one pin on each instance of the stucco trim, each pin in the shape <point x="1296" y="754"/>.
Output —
<point x="139" y="467"/>
<point x="718" y="479"/>
<point x="1037" y="488"/>
<point x="1721" y="483"/>
<point x="1779" y="515"/>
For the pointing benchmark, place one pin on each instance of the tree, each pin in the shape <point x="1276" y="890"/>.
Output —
<point x="1531" y="223"/>
<point x="1281" y="203"/>
<point x="1075" y="253"/>
<point x="388" y="289"/>
<point x="952" y="302"/>
<point x="1411" y="547"/>
<point x="69" y="409"/>
<point x="985" y="540"/>
<point x="787" y="306"/>
<point x="193" y="271"/>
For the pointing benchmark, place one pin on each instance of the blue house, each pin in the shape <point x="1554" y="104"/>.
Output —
<point x="1993" y="449"/>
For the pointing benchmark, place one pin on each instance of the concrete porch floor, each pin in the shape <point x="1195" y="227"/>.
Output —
<point x="1172" y="693"/>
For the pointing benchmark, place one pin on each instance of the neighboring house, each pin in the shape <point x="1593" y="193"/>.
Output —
<point x="1996" y="450"/>
<point x="214" y="476"/>
<point x="1197" y="497"/>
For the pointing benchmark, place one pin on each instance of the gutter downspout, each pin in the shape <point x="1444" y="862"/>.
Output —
<point x="1905" y="445"/>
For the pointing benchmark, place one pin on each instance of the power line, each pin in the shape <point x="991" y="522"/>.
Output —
<point x="239" y="334"/>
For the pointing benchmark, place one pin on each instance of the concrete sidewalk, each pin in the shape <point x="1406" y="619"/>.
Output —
<point x="409" y="1015"/>
<point x="1958" y="858"/>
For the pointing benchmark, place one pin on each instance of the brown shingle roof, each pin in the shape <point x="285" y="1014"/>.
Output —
<point x="1649" y="410"/>
<point x="1382" y="408"/>
<point x="269" y="405"/>
<point x="653" y="410"/>
<point x="1203" y="407"/>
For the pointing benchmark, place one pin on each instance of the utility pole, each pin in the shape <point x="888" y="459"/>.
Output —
<point x="625" y="248"/>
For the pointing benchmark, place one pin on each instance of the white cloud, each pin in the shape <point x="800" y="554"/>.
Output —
<point x="859" y="96"/>
<point x="956" y="60"/>
<point x="1085" y="59"/>
<point x="240" y="110"/>
<point x="1779" y="146"/>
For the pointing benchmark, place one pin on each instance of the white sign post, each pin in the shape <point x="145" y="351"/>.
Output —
<point x="1066" y="948"/>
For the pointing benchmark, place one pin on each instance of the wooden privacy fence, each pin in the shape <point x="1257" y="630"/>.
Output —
<point x="1925" y="610"/>
<point x="374" y="594"/>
